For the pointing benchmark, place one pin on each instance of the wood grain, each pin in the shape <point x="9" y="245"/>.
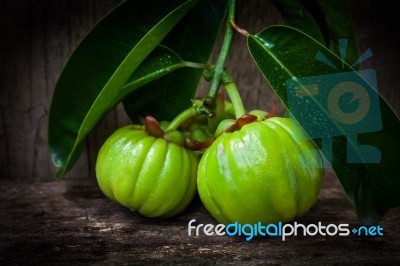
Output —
<point x="70" y="222"/>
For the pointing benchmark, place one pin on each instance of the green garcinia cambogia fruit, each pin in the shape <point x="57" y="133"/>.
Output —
<point x="147" y="174"/>
<point x="264" y="171"/>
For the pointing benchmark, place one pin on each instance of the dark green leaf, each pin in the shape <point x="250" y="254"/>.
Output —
<point x="287" y="59"/>
<point x="193" y="39"/>
<point x="297" y="16"/>
<point x="335" y="21"/>
<point x="90" y="83"/>
<point x="160" y="62"/>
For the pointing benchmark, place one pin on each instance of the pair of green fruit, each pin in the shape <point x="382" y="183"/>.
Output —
<point x="258" y="169"/>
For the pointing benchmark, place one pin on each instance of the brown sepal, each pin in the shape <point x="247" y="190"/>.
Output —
<point x="198" y="145"/>
<point x="152" y="127"/>
<point x="272" y="113"/>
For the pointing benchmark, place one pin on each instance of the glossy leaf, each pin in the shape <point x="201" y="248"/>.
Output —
<point x="91" y="81"/>
<point x="160" y="62"/>
<point x="285" y="54"/>
<point x="193" y="39"/>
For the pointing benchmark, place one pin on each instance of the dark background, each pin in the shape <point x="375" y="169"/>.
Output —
<point x="69" y="221"/>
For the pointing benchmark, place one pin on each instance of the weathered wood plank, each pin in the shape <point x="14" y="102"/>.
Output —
<point x="70" y="222"/>
<point x="36" y="40"/>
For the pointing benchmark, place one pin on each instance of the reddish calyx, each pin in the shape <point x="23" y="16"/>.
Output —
<point x="198" y="145"/>
<point x="272" y="113"/>
<point x="153" y="128"/>
<point x="241" y="121"/>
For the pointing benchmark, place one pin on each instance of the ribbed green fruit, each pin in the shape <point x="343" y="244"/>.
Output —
<point x="146" y="174"/>
<point x="267" y="171"/>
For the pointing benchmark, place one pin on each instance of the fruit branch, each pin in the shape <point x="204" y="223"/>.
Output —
<point x="233" y="94"/>
<point x="182" y="117"/>
<point x="223" y="56"/>
<point x="238" y="29"/>
<point x="196" y="65"/>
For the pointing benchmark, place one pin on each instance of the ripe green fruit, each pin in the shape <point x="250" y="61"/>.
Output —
<point x="266" y="171"/>
<point x="146" y="174"/>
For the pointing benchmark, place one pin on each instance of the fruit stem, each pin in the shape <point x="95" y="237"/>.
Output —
<point x="223" y="56"/>
<point x="196" y="65"/>
<point x="234" y="95"/>
<point x="182" y="117"/>
<point x="239" y="29"/>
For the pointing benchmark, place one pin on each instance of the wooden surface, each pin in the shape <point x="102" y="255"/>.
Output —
<point x="43" y="221"/>
<point x="70" y="222"/>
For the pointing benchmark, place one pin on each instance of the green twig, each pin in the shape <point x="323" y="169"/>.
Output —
<point x="234" y="95"/>
<point x="182" y="117"/>
<point x="223" y="56"/>
<point x="196" y="65"/>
